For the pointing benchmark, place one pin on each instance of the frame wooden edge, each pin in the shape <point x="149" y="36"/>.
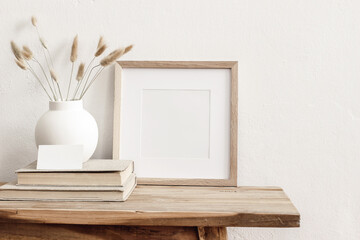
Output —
<point x="186" y="182"/>
<point x="233" y="66"/>
<point x="234" y="124"/>
<point x="117" y="110"/>
<point x="177" y="64"/>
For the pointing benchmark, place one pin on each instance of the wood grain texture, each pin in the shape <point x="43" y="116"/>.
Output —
<point x="212" y="233"/>
<point x="167" y="206"/>
<point x="187" y="182"/>
<point x="177" y="64"/>
<point x="234" y="125"/>
<point x="233" y="66"/>
<point x="89" y="232"/>
<point x="117" y="111"/>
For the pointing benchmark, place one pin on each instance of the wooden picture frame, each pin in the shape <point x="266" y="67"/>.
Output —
<point x="232" y="67"/>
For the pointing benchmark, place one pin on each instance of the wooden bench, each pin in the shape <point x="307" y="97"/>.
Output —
<point x="151" y="212"/>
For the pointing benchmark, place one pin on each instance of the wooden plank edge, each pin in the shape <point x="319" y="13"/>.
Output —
<point x="134" y="218"/>
<point x="74" y="232"/>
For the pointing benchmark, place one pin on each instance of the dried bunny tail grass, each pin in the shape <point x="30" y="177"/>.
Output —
<point x="34" y="21"/>
<point x="20" y="64"/>
<point x="43" y="43"/>
<point x="74" y="49"/>
<point x="27" y="53"/>
<point x="128" y="48"/>
<point x="101" y="42"/>
<point x="27" y="49"/>
<point x="80" y="72"/>
<point x="112" y="57"/>
<point x="100" y="50"/>
<point x="16" y="51"/>
<point x="53" y="75"/>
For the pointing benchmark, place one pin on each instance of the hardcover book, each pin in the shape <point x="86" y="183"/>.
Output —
<point x="12" y="191"/>
<point x="94" y="173"/>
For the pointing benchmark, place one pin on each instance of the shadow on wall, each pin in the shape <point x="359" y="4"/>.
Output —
<point x="99" y="101"/>
<point x="19" y="136"/>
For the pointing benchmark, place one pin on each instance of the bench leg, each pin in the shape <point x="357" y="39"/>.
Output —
<point x="212" y="233"/>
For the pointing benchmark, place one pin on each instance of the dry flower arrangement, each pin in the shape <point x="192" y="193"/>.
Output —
<point x="25" y="58"/>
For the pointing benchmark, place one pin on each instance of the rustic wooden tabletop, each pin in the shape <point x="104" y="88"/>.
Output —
<point x="180" y="206"/>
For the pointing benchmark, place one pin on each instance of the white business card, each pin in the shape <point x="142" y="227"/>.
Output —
<point x="60" y="157"/>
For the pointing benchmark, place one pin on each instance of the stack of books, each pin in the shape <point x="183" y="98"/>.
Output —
<point x="98" y="180"/>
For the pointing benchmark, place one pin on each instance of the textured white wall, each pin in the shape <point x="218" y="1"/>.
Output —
<point x="299" y="101"/>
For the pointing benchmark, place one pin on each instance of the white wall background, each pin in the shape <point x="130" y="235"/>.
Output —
<point x="299" y="101"/>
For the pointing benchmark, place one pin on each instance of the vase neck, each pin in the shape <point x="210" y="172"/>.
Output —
<point x="66" y="105"/>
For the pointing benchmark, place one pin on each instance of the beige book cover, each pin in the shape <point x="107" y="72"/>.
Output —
<point x="93" y="165"/>
<point x="94" y="173"/>
<point x="11" y="191"/>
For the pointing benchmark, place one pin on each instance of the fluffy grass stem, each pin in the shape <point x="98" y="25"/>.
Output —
<point x="87" y="79"/>
<point x="37" y="78"/>
<point x="47" y="80"/>
<point x="86" y="71"/>
<point x="92" y="81"/>
<point x="72" y="69"/>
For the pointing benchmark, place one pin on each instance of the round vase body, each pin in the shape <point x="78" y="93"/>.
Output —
<point x="67" y="123"/>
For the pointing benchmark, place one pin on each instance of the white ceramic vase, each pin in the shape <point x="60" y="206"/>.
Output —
<point x="67" y="123"/>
